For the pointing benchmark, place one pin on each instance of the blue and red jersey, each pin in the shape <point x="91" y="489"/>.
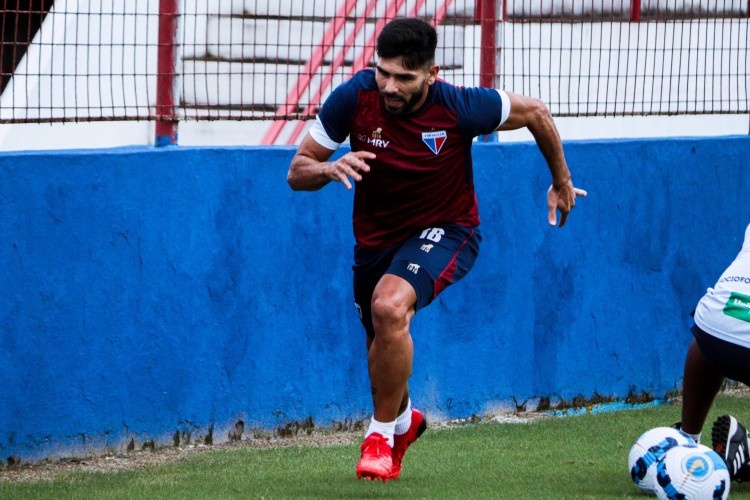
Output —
<point x="422" y="176"/>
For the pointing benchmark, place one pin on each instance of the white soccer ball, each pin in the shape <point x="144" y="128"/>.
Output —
<point x="695" y="472"/>
<point x="647" y="450"/>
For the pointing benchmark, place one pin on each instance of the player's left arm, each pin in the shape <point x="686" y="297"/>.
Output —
<point x="534" y="115"/>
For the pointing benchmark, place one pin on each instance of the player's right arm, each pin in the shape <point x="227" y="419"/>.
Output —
<point x="310" y="169"/>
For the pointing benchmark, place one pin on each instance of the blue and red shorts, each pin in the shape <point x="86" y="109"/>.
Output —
<point x="430" y="261"/>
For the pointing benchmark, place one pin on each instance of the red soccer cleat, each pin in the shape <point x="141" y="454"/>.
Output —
<point x="376" y="461"/>
<point x="402" y="442"/>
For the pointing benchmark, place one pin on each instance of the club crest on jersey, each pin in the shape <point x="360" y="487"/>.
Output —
<point x="435" y="140"/>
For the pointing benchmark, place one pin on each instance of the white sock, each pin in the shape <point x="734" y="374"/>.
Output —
<point x="385" y="429"/>
<point x="695" y="437"/>
<point x="403" y="422"/>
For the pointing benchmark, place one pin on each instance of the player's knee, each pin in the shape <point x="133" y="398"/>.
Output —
<point x="388" y="312"/>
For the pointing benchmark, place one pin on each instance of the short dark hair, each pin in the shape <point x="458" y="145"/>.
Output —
<point x="411" y="39"/>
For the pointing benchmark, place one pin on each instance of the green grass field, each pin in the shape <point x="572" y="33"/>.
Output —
<point x="575" y="457"/>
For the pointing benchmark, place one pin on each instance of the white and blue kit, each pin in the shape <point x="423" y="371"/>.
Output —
<point x="724" y="311"/>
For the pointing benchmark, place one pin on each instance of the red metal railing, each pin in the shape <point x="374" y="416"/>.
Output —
<point x="360" y="62"/>
<point x="166" y="115"/>
<point x="310" y="68"/>
<point x="486" y="14"/>
<point x="635" y="11"/>
<point x="367" y="55"/>
<point x="337" y="62"/>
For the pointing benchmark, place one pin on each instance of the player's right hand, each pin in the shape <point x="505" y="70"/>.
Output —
<point x="352" y="165"/>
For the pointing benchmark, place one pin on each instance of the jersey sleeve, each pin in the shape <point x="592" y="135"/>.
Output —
<point x="506" y="107"/>
<point x="479" y="110"/>
<point x="333" y="123"/>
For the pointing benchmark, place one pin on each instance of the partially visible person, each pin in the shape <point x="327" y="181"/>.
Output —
<point x="720" y="350"/>
<point x="415" y="217"/>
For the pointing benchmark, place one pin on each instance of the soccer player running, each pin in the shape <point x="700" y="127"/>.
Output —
<point x="720" y="349"/>
<point x="415" y="214"/>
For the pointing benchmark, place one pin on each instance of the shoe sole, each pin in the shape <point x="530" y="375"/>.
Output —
<point x="421" y="429"/>
<point x="372" y="476"/>
<point x="722" y="433"/>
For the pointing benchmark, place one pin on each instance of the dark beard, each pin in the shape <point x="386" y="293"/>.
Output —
<point x="409" y="105"/>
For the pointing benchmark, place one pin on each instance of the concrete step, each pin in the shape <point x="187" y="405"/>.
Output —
<point x="230" y="89"/>
<point x="294" y="42"/>
<point x="327" y="8"/>
<point x="261" y="86"/>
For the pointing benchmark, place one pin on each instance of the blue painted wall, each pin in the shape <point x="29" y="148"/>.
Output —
<point x="153" y="291"/>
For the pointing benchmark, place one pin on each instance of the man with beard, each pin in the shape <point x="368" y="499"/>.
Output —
<point x="415" y="211"/>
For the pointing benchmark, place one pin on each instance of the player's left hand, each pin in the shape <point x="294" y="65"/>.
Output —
<point x="562" y="198"/>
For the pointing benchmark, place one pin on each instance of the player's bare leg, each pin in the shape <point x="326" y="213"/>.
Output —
<point x="389" y="359"/>
<point x="391" y="352"/>
<point x="700" y="385"/>
<point x="405" y="398"/>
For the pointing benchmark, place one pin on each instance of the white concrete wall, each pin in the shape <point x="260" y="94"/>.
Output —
<point x="84" y="40"/>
